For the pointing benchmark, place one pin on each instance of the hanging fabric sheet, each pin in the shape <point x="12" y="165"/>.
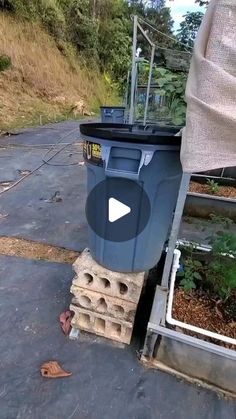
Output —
<point x="209" y="138"/>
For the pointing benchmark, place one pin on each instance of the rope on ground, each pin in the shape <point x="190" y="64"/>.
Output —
<point x="44" y="161"/>
<point x="53" y="147"/>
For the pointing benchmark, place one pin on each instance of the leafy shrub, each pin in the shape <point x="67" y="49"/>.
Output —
<point x="218" y="272"/>
<point x="221" y="276"/>
<point x="171" y="86"/>
<point x="6" y="5"/>
<point x="25" y="8"/>
<point x="114" y="48"/>
<point x="81" y="28"/>
<point x="220" y="219"/>
<point x="191" y="274"/>
<point x="5" y="62"/>
<point x="53" y="18"/>
<point x="223" y="243"/>
<point x="213" y="186"/>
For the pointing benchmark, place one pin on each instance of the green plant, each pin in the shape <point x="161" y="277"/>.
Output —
<point x="219" y="219"/>
<point x="5" y="62"/>
<point x="28" y="9"/>
<point x="223" y="243"/>
<point x="53" y="18"/>
<point x="221" y="276"/>
<point x="213" y="186"/>
<point x="114" y="48"/>
<point x="6" y="5"/>
<point x="202" y="2"/>
<point x="171" y="86"/>
<point x="217" y="272"/>
<point x="189" y="28"/>
<point x="191" y="274"/>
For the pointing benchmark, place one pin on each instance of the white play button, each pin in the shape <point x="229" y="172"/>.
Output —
<point x="116" y="210"/>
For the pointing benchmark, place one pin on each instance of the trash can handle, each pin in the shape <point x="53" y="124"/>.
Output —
<point x="108" y="112"/>
<point x="146" y="157"/>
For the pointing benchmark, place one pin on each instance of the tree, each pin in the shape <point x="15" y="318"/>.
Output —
<point x="156" y="4"/>
<point x="114" y="38"/>
<point x="5" y="4"/>
<point x="189" y="28"/>
<point x="81" y="27"/>
<point x="155" y="13"/>
<point x="202" y="2"/>
<point x="136" y="7"/>
<point x="162" y="20"/>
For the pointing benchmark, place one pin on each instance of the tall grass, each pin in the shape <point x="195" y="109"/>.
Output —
<point x="44" y="75"/>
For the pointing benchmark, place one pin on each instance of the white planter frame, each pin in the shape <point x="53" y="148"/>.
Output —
<point x="191" y="358"/>
<point x="169" y="317"/>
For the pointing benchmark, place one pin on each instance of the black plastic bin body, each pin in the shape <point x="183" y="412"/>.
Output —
<point x="113" y="114"/>
<point x="151" y="159"/>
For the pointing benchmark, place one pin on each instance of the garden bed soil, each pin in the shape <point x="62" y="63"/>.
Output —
<point x="198" y="309"/>
<point x="224" y="191"/>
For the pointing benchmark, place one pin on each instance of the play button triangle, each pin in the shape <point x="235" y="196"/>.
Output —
<point x="117" y="210"/>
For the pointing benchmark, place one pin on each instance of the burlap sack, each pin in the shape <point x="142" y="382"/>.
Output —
<point x="209" y="139"/>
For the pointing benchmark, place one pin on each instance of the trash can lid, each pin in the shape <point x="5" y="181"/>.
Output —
<point x="112" y="107"/>
<point x="155" y="134"/>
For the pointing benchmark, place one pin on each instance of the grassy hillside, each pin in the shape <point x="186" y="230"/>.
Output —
<point x="46" y="80"/>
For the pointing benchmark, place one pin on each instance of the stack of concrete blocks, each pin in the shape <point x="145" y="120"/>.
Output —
<point x="104" y="302"/>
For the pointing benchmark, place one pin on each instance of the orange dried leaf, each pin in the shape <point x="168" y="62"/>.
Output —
<point x="65" y="320"/>
<point x="52" y="369"/>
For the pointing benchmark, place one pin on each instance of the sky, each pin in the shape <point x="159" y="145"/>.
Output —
<point x="180" y="7"/>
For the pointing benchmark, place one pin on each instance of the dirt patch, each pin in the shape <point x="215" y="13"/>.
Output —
<point x="11" y="246"/>
<point x="44" y="84"/>
<point x="201" y="311"/>
<point x="224" y="191"/>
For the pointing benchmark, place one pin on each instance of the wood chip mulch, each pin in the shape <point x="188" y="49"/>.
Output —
<point x="224" y="191"/>
<point x="202" y="312"/>
<point x="12" y="246"/>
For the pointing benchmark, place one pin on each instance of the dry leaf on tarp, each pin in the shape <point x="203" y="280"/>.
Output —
<point x="52" y="369"/>
<point x="65" y="320"/>
<point x="3" y="215"/>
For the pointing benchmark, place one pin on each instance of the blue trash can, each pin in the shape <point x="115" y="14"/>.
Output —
<point x="113" y="114"/>
<point x="147" y="158"/>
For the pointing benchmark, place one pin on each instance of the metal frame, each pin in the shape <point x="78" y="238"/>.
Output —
<point x="202" y="205"/>
<point x="157" y="316"/>
<point x="137" y="26"/>
<point x="155" y="313"/>
<point x="201" y="344"/>
<point x="190" y="358"/>
<point x="156" y="326"/>
<point x="134" y="72"/>
<point x="175" y="227"/>
<point x="149" y="84"/>
<point x="127" y="90"/>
